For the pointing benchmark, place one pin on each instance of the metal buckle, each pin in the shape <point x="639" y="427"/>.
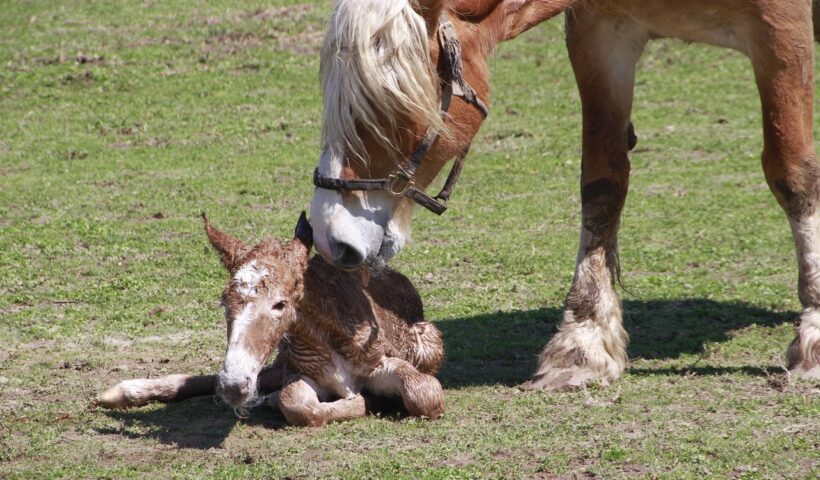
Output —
<point x="399" y="183"/>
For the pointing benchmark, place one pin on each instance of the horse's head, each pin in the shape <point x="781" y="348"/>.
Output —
<point x="385" y="83"/>
<point x="263" y="291"/>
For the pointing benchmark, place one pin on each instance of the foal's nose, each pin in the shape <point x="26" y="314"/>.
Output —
<point x="235" y="391"/>
<point x="345" y="255"/>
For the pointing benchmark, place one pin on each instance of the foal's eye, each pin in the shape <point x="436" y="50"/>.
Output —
<point x="279" y="306"/>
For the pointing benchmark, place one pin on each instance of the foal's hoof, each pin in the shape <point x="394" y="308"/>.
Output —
<point x="564" y="379"/>
<point x="113" y="398"/>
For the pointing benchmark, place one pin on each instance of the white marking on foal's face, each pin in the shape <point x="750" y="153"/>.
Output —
<point x="241" y="364"/>
<point x="248" y="278"/>
<point x="362" y="220"/>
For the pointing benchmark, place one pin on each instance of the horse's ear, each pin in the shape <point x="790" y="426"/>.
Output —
<point x="517" y="16"/>
<point x="474" y="8"/>
<point x="429" y="9"/>
<point x="304" y="232"/>
<point x="231" y="249"/>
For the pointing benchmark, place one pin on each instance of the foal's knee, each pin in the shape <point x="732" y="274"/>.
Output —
<point x="300" y="405"/>
<point x="428" y="349"/>
<point x="423" y="396"/>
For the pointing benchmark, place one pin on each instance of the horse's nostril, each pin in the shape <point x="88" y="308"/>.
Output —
<point x="235" y="392"/>
<point x="346" y="256"/>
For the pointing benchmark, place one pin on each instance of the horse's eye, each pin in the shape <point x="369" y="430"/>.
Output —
<point x="279" y="306"/>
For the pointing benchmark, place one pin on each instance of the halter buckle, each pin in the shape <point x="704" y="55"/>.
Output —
<point x="399" y="183"/>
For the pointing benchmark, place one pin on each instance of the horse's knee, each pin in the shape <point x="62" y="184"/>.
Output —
<point x="602" y="201"/>
<point x="423" y="396"/>
<point x="794" y="183"/>
<point x="428" y="348"/>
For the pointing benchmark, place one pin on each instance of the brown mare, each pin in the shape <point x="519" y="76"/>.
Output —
<point x="386" y="84"/>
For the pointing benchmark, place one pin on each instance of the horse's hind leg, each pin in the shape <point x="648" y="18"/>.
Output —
<point x="591" y="343"/>
<point x="783" y="57"/>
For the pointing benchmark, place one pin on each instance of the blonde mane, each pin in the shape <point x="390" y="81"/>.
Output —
<point x="375" y="69"/>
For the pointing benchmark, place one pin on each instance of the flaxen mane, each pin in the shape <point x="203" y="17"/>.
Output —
<point x="376" y="71"/>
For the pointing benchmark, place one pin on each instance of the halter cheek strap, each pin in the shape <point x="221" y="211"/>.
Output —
<point x="401" y="182"/>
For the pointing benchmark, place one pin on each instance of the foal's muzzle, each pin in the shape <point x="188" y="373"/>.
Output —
<point x="235" y="391"/>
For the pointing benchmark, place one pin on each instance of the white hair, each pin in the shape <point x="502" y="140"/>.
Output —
<point x="375" y="70"/>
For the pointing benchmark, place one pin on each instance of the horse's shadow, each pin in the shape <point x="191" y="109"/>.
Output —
<point x="499" y="348"/>
<point x="502" y="348"/>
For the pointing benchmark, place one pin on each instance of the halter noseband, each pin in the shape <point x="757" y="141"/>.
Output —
<point x="401" y="182"/>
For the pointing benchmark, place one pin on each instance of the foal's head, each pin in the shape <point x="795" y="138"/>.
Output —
<point x="381" y="75"/>
<point x="260" y="300"/>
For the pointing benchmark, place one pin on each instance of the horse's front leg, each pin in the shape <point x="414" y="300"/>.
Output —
<point x="591" y="342"/>
<point x="784" y="69"/>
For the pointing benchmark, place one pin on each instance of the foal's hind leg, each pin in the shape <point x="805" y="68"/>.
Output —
<point x="591" y="343"/>
<point x="421" y="393"/>
<point x="784" y="68"/>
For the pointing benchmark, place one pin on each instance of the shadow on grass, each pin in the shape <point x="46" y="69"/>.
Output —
<point x="200" y="423"/>
<point x="499" y="348"/>
<point x="204" y="423"/>
<point x="502" y="348"/>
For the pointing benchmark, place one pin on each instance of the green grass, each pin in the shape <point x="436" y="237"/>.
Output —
<point x="121" y="121"/>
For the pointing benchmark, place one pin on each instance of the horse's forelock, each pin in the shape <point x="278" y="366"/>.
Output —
<point x="375" y="69"/>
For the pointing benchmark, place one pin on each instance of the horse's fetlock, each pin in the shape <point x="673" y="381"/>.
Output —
<point x="602" y="201"/>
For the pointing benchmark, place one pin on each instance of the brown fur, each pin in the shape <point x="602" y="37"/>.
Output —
<point x="332" y="327"/>
<point x="605" y="39"/>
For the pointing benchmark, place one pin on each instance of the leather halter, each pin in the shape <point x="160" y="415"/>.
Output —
<point x="402" y="183"/>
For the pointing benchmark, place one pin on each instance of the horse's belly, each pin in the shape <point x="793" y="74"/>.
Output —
<point x="724" y="23"/>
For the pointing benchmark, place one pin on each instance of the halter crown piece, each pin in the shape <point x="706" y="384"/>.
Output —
<point x="401" y="182"/>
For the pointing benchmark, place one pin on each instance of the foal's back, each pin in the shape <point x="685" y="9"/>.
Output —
<point x="365" y="322"/>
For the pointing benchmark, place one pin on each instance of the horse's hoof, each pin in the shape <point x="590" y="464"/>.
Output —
<point x="806" y="372"/>
<point x="564" y="379"/>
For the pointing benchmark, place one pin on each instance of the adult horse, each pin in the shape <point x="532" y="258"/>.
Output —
<point x="390" y="72"/>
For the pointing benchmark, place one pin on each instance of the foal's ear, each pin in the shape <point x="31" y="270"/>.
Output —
<point x="304" y="232"/>
<point x="231" y="249"/>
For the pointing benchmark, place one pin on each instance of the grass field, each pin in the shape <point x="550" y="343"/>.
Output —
<point x="121" y="121"/>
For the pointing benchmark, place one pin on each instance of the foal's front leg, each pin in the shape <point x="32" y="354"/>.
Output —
<point x="591" y="342"/>
<point x="299" y="403"/>
<point x="421" y="393"/>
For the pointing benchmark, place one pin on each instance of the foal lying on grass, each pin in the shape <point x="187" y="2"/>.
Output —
<point x="337" y="336"/>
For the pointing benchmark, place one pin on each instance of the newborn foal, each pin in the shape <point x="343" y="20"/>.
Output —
<point x="337" y="335"/>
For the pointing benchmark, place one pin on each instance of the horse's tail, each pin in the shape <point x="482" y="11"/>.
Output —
<point x="815" y="16"/>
